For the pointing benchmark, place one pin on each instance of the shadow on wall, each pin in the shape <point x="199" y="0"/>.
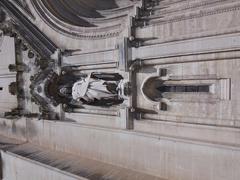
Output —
<point x="74" y="11"/>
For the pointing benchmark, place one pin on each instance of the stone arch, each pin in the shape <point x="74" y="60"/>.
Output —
<point x="74" y="11"/>
<point x="154" y="88"/>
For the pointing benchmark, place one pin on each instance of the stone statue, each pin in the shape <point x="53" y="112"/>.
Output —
<point x="74" y="90"/>
<point x="95" y="89"/>
<point x="100" y="89"/>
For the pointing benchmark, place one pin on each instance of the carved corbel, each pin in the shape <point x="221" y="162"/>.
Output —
<point x="135" y="65"/>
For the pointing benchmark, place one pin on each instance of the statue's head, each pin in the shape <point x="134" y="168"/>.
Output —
<point x="64" y="91"/>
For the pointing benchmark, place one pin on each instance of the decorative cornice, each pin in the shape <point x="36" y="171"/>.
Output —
<point x="200" y="14"/>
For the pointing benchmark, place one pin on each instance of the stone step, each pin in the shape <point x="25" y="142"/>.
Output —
<point x="28" y="161"/>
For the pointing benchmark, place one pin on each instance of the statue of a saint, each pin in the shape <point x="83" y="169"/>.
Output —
<point x="100" y="89"/>
<point x="95" y="89"/>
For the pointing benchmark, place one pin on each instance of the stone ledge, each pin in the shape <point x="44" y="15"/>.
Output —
<point x="56" y="165"/>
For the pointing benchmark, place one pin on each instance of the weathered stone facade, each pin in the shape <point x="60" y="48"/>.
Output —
<point x="178" y="63"/>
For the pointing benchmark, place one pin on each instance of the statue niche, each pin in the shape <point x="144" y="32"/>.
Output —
<point x="95" y="89"/>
